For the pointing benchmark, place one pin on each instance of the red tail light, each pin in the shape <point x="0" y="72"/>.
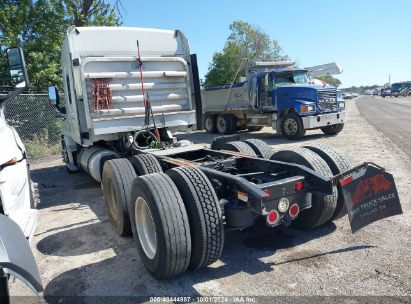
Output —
<point x="294" y="210"/>
<point x="273" y="217"/>
<point x="299" y="186"/>
<point x="267" y="192"/>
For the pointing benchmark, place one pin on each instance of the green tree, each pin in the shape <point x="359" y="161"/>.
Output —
<point x="92" y="12"/>
<point x="330" y="80"/>
<point x="245" y="43"/>
<point x="39" y="28"/>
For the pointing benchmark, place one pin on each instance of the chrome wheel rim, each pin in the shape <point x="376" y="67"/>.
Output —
<point x="221" y="124"/>
<point x="145" y="228"/>
<point x="209" y="123"/>
<point x="290" y="126"/>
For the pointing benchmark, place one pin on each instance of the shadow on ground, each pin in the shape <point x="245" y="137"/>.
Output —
<point x="123" y="274"/>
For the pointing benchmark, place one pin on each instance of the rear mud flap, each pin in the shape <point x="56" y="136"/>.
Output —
<point x="370" y="194"/>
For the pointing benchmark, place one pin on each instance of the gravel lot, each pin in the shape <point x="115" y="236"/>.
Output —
<point x="78" y="253"/>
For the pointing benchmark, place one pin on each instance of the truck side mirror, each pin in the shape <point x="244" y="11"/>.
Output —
<point x="54" y="98"/>
<point x="17" y="67"/>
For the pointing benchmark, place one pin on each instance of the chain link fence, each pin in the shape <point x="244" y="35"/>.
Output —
<point x="37" y="123"/>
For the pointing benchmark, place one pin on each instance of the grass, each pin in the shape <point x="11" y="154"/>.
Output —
<point x="37" y="148"/>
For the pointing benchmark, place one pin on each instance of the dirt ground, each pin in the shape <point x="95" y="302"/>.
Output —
<point x="79" y="254"/>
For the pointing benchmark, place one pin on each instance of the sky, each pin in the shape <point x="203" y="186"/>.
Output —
<point x="370" y="39"/>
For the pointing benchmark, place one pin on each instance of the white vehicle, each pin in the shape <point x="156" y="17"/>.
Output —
<point x="18" y="196"/>
<point x="88" y="60"/>
<point x="121" y="106"/>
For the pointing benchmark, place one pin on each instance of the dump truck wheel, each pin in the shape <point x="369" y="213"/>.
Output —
<point x="337" y="164"/>
<point x="333" y="130"/>
<point x="204" y="215"/>
<point x="160" y="225"/>
<point x="117" y="180"/>
<point x="292" y="126"/>
<point x="255" y="128"/>
<point x="225" y="124"/>
<point x="144" y="164"/>
<point x="322" y="207"/>
<point x="210" y="124"/>
<point x="260" y="148"/>
<point x="239" y="146"/>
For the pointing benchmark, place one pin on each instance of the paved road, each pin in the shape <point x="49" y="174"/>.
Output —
<point x="392" y="119"/>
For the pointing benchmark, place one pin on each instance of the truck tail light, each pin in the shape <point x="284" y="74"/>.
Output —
<point x="299" y="186"/>
<point x="294" y="210"/>
<point x="273" y="217"/>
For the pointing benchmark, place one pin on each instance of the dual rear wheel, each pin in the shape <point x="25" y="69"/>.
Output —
<point x="175" y="217"/>
<point x="222" y="124"/>
<point x="328" y="162"/>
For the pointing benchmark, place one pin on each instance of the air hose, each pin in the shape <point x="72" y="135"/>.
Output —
<point x="149" y="139"/>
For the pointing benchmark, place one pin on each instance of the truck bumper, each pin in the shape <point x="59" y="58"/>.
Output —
<point x="322" y="120"/>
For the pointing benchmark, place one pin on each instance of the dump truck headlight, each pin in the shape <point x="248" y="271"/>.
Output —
<point x="307" y="108"/>
<point x="341" y="105"/>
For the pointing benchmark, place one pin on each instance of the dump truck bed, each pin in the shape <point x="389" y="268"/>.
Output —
<point x="215" y="98"/>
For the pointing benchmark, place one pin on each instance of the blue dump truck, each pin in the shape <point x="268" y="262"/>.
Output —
<point x="279" y="95"/>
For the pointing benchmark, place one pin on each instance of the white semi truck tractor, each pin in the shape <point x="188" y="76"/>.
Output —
<point x="127" y="91"/>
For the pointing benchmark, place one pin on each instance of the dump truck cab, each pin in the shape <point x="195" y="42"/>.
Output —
<point x="293" y="89"/>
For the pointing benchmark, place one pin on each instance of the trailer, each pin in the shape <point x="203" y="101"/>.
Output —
<point x="174" y="197"/>
<point x="279" y="95"/>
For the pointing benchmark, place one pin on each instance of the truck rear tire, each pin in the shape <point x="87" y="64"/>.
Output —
<point x="337" y="164"/>
<point x="204" y="215"/>
<point x="260" y="148"/>
<point x="333" y="130"/>
<point x="160" y="225"/>
<point x="225" y="124"/>
<point x="292" y="126"/>
<point x="144" y="164"/>
<point x="239" y="146"/>
<point x="117" y="180"/>
<point x="210" y="124"/>
<point x="322" y="207"/>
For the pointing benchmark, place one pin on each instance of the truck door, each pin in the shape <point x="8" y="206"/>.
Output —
<point x="265" y="88"/>
<point x="72" y="124"/>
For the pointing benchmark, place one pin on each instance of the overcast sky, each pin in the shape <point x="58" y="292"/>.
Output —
<point x="369" y="38"/>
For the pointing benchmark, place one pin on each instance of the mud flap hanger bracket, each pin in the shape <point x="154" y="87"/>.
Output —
<point x="336" y="178"/>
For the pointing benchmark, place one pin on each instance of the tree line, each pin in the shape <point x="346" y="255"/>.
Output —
<point x="39" y="27"/>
